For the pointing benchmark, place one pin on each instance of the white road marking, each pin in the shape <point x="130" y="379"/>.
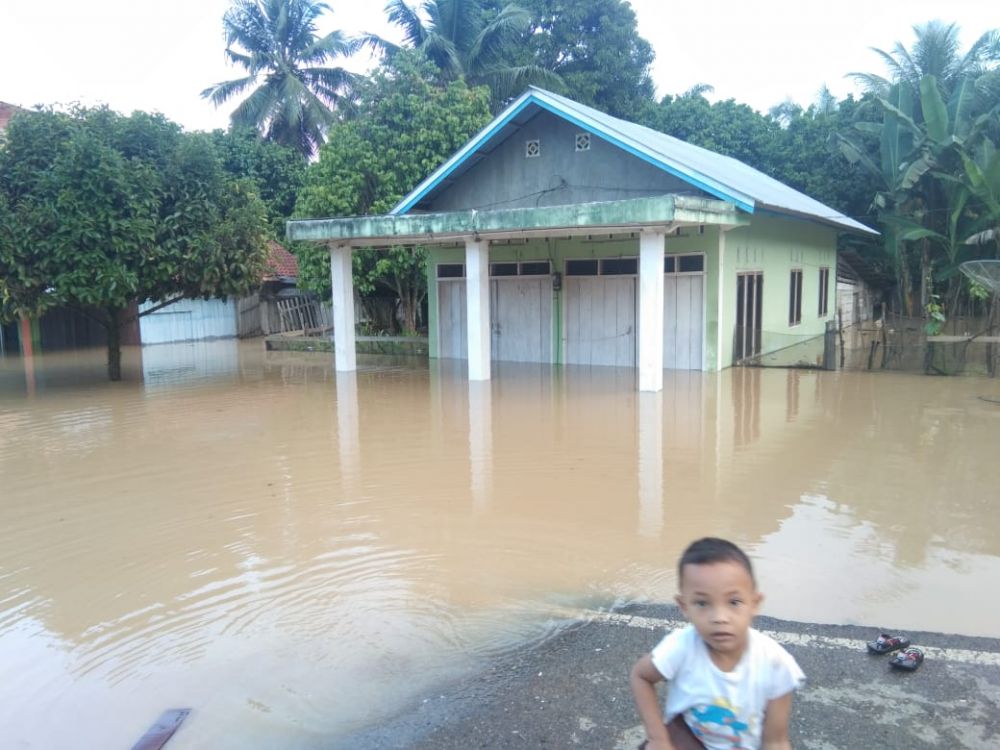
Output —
<point x="960" y="655"/>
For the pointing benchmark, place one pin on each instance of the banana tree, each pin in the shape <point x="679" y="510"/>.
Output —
<point x="923" y="203"/>
<point x="946" y="137"/>
<point x="898" y="166"/>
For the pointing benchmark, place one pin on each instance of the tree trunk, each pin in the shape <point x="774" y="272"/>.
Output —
<point x="114" y="345"/>
<point x="926" y="285"/>
<point x="406" y="293"/>
<point x="408" y="299"/>
<point x="905" y="283"/>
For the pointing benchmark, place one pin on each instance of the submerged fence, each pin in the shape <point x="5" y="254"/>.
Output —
<point x="893" y="342"/>
<point x="299" y="314"/>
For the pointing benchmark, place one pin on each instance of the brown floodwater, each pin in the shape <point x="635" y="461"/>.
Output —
<point x="296" y="553"/>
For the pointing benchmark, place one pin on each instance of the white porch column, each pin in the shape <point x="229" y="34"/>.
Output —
<point x="343" y="308"/>
<point x="477" y="302"/>
<point x="651" y="248"/>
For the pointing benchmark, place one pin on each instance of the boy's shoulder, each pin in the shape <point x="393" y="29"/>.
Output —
<point x="764" y="644"/>
<point x="771" y="657"/>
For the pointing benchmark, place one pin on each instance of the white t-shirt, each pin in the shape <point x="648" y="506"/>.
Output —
<point x="725" y="710"/>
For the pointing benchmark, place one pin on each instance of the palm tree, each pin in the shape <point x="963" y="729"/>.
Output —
<point x="935" y="52"/>
<point x="468" y="40"/>
<point x="293" y="94"/>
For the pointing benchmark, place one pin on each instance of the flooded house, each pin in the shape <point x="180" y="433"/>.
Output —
<point x="559" y="234"/>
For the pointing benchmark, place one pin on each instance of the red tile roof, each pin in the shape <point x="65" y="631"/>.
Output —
<point x="281" y="264"/>
<point x="6" y="112"/>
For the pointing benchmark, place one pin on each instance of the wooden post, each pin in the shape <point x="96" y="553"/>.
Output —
<point x="840" y="329"/>
<point x="885" y="340"/>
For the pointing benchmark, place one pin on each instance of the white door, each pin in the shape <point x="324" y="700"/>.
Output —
<point x="521" y="319"/>
<point x="452" y="321"/>
<point x="683" y="321"/>
<point x="600" y="320"/>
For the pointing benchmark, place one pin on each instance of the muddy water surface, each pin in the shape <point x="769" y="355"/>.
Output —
<point x="295" y="553"/>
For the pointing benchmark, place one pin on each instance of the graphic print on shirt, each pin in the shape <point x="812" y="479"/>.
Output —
<point x="718" y="723"/>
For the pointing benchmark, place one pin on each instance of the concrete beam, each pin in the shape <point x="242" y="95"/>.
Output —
<point x="651" y="248"/>
<point x="581" y="218"/>
<point x="477" y="305"/>
<point x="342" y="279"/>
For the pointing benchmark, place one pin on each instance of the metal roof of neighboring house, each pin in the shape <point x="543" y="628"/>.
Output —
<point x="721" y="176"/>
<point x="281" y="264"/>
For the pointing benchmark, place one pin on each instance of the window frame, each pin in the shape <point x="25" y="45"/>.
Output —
<point x="824" y="291"/>
<point x="794" y="297"/>
<point x="439" y="266"/>
<point x="677" y="264"/>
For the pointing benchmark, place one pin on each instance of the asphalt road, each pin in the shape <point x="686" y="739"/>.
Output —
<point x="572" y="691"/>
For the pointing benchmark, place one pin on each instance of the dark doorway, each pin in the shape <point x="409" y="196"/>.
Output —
<point x="749" y="308"/>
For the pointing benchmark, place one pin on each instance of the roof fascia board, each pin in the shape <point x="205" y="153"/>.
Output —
<point x="583" y="218"/>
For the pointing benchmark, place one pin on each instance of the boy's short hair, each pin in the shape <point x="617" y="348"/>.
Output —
<point x="710" y="550"/>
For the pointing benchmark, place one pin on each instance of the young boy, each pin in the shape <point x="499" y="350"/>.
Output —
<point x="730" y="686"/>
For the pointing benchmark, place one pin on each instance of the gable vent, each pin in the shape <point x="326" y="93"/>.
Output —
<point x="532" y="149"/>
<point x="583" y="141"/>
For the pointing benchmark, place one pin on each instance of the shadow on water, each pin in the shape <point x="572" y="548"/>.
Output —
<point x="275" y="543"/>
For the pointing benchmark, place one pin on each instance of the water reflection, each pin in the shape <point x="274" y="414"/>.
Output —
<point x="348" y="432"/>
<point x="166" y="365"/>
<point x="650" y="464"/>
<point x="480" y="442"/>
<point x="274" y="543"/>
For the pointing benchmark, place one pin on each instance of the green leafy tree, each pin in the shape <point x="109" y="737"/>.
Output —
<point x="726" y="127"/>
<point x="594" y="46"/>
<point x="470" y="40"/>
<point x="803" y="157"/>
<point x="293" y="91"/>
<point x="100" y="211"/>
<point x="277" y="172"/>
<point x="405" y="128"/>
<point x="944" y="216"/>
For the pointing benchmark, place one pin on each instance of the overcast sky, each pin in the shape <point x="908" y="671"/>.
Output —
<point x="159" y="54"/>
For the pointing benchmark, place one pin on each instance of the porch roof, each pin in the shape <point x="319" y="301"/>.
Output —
<point x="579" y="219"/>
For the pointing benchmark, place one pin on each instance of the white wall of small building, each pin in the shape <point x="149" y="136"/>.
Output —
<point x="188" y="320"/>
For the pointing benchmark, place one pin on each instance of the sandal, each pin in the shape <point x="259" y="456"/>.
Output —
<point x="909" y="658"/>
<point x="886" y="643"/>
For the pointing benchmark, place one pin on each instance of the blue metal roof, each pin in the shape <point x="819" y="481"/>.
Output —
<point x="725" y="178"/>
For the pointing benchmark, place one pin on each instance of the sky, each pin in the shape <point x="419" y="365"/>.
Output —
<point x="158" y="55"/>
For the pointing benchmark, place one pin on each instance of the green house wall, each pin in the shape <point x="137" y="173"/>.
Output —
<point x="775" y="246"/>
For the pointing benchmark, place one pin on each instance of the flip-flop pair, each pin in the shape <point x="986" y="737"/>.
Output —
<point x="907" y="657"/>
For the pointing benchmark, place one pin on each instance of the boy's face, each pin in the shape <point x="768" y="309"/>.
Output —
<point x="720" y="600"/>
